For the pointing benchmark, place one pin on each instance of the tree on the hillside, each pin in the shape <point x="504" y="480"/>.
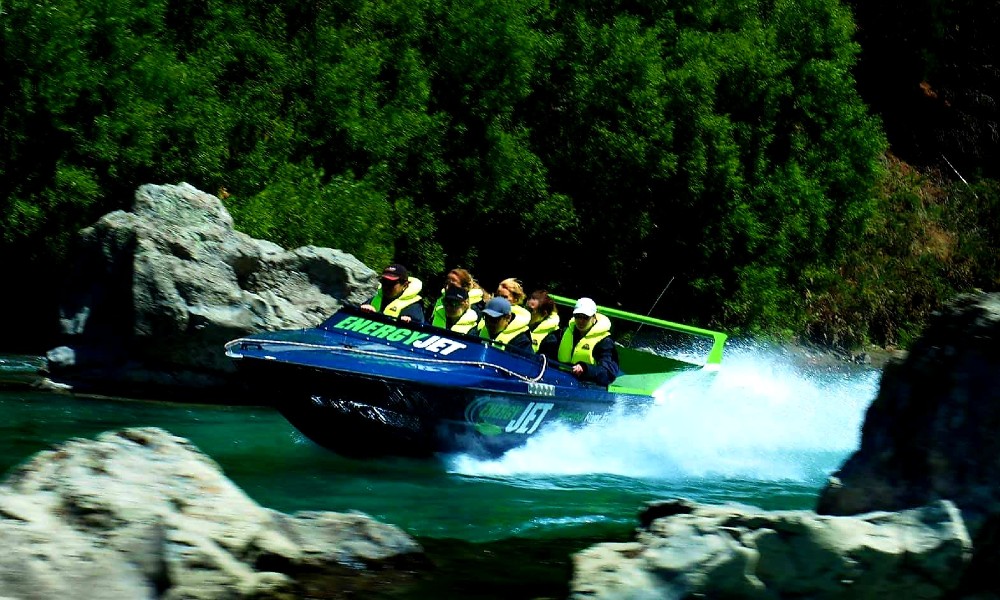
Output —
<point x="603" y="147"/>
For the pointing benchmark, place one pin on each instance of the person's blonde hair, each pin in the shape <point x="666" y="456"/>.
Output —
<point x="516" y="290"/>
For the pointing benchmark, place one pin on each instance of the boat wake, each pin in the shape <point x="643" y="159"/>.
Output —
<point x="767" y="415"/>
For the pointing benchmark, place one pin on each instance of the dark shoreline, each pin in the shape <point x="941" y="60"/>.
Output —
<point x="513" y="568"/>
<point x="816" y="355"/>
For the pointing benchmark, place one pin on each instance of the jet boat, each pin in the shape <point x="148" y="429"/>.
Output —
<point x="363" y="384"/>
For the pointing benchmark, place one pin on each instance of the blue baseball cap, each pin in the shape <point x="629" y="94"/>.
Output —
<point x="497" y="307"/>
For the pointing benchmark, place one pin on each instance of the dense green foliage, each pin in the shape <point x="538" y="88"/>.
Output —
<point x="605" y="148"/>
<point x="925" y="243"/>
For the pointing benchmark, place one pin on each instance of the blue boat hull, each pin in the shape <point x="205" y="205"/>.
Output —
<point x="362" y="384"/>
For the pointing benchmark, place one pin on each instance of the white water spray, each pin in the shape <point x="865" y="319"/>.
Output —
<point x="764" y="416"/>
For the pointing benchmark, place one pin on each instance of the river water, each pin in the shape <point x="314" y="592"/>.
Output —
<point x="766" y="430"/>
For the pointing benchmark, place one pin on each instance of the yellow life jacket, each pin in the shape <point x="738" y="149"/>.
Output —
<point x="466" y="323"/>
<point x="475" y="297"/>
<point x="584" y="350"/>
<point x="544" y="327"/>
<point x="522" y="316"/>
<point x="410" y="295"/>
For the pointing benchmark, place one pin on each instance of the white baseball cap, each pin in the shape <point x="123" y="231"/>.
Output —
<point x="585" y="306"/>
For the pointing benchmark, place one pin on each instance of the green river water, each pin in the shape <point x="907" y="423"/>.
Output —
<point x="766" y="431"/>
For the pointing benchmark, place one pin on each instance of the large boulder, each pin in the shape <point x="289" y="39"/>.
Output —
<point x="914" y="513"/>
<point x="684" y="550"/>
<point x="158" y="290"/>
<point x="140" y="513"/>
<point x="933" y="431"/>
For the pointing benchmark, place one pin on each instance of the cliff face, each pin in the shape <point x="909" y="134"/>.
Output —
<point x="933" y="431"/>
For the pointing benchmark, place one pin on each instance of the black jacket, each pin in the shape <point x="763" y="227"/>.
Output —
<point x="521" y="343"/>
<point x="415" y="311"/>
<point x="550" y="346"/>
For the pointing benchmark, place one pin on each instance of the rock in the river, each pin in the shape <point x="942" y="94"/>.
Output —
<point x="159" y="290"/>
<point x="140" y="513"/>
<point x="686" y="550"/>
<point x="933" y="432"/>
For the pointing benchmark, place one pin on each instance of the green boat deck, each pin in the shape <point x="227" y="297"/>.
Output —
<point x="645" y="372"/>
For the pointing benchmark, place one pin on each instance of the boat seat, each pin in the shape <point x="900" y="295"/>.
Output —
<point x="644" y="373"/>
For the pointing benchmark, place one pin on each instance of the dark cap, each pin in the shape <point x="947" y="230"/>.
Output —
<point x="456" y="293"/>
<point x="394" y="272"/>
<point x="497" y="307"/>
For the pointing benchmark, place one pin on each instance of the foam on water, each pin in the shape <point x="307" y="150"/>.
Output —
<point x="764" y="416"/>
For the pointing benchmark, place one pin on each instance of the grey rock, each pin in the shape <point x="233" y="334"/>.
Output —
<point x="733" y="551"/>
<point x="160" y="289"/>
<point x="931" y="433"/>
<point x="140" y="513"/>
<point x="61" y="356"/>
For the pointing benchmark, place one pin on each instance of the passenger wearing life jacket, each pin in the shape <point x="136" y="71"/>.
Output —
<point x="398" y="295"/>
<point x="544" y="324"/>
<point x="455" y="314"/>
<point x="512" y="290"/>
<point x="504" y="326"/>
<point x="462" y="279"/>
<point x="587" y="344"/>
